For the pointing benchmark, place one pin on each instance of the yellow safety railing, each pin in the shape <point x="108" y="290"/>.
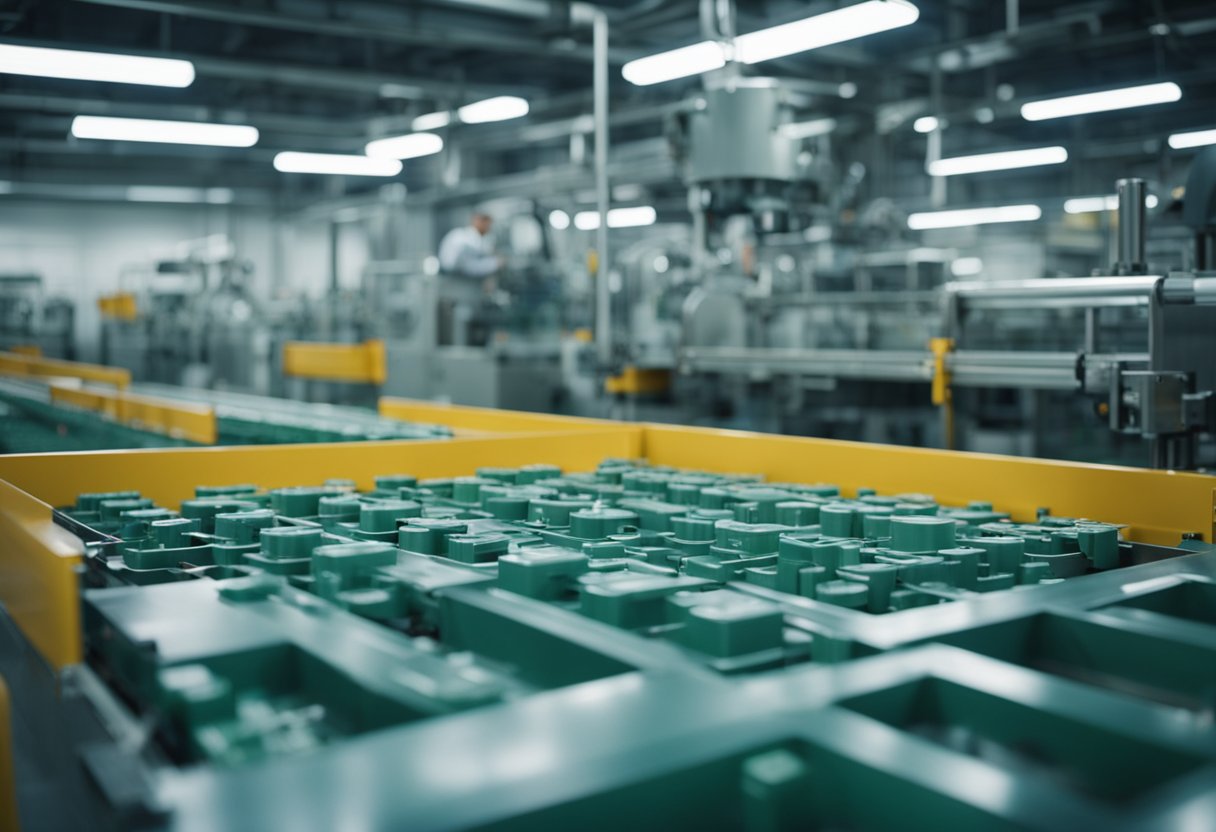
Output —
<point x="28" y="366"/>
<point x="38" y="576"/>
<point x="121" y="306"/>
<point x="636" y="381"/>
<point x="180" y="420"/>
<point x="355" y="363"/>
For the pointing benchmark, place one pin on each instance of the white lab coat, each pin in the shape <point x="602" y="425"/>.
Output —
<point x="465" y="252"/>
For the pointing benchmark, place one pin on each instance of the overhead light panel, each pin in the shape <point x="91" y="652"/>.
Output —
<point x="335" y="164"/>
<point x="617" y="218"/>
<point x="411" y="146"/>
<point x="705" y="56"/>
<point x="95" y="66"/>
<point x="1096" y="204"/>
<point x="164" y="132"/>
<point x="1101" y="102"/>
<point x="1198" y="138"/>
<point x="161" y="193"/>
<point x="973" y="216"/>
<point x="849" y="23"/>
<point x="499" y="108"/>
<point x="808" y="129"/>
<point x="925" y="124"/>
<point x="966" y="266"/>
<point x="1007" y="160"/>
<point x="432" y="121"/>
<point x="560" y="220"/>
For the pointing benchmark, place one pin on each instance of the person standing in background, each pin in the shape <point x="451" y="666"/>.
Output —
<point x="467" y="252"/>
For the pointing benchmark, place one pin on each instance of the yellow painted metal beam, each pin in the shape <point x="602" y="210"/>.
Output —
<point x="483" y="420"/>
<point x="169" y="476"/>
<point x="38" y="576"/>
<point x="1158" y="506"/>
<point x="26" y="366"/>
<point x="29" y="350"/>
<point x="355" y="363"/>
<point x="180" y="420"/>
<point x="637" y="381"/>
<point x="9" y="822"/>
<point x="121" y="306"/>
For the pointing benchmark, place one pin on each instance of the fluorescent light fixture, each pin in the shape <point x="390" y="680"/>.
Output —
<point x="1198" y="138"/>
<point x="617" y="218"/>
<point x="701" y="57"/>
<point x="163" y="132"/>
<point x="1101" y="102"/>
<point x="925" y="124"/>
<point x="856" y="21"/>
<point x="808" y="129"/>
<point x="432" y="121"/>
<point x="1006" y="160"/>
<point x="159" y="193"/>
<point x="499" y="108"/>
<point x="333" y="163"/>
<point x="849" y="23"/>
<point x="966" y="266"/>
<point x="973" y="216"/>
<point x="1095" y="204"/>
<point x="559" y="220"/>
<point x="405" y="147"/>
<point x="95" y="66"/>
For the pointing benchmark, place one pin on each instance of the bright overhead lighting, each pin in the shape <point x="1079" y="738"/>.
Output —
<point x="333" y="163"/>
<point x="164" y="132"/>
<point x="1100" y="102"/>
<point x="560" y="220"/>
<point x="159" y="193"/>
<point x="973" y="216"/>
<point x="1006" y="160"/>
<point x="405" y="147"/>
<point x="1198" y="138"/>
<point x="95" y="66"/>
<point x="808" y="129"/>
<point x="925" y="124"/>
<point x="701" y="57"/>
<point x="868" y="18"/>
<point x="1095" y="204"/>
<point x="432" y="121"/>
<point x="499" y="108"/>
<point x="966" y="266"/>
<point x="617" y="218"/>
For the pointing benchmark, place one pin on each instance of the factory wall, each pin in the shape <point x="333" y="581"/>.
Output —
<point x="84" y="250"/>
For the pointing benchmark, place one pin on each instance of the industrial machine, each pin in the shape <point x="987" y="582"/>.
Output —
<point x="190" y="319"/>
<point x="32" y="319"/>
<point x="313" y="640"/>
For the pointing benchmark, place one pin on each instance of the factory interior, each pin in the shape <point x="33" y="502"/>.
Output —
<point x="547" y="414"/>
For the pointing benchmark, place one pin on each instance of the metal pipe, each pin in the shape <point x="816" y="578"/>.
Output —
<point x="603" y="292"/>
<point x="1131" y="259"/>
<point x="1068" y="291"/>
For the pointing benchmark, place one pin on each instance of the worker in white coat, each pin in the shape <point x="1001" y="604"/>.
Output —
<point x="467" y="252"/>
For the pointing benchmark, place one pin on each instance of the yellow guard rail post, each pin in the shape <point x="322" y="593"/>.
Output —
<point x="38" y="576"/>
<point x="27" y="366"/>
<point x="353" y="363"/>
<point x="9" y="822"/>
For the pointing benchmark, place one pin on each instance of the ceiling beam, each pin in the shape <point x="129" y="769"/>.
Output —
<point x="405" y="27"/>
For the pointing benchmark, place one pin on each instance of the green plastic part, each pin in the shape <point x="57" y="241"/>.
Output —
<point x="921" y="533"/>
